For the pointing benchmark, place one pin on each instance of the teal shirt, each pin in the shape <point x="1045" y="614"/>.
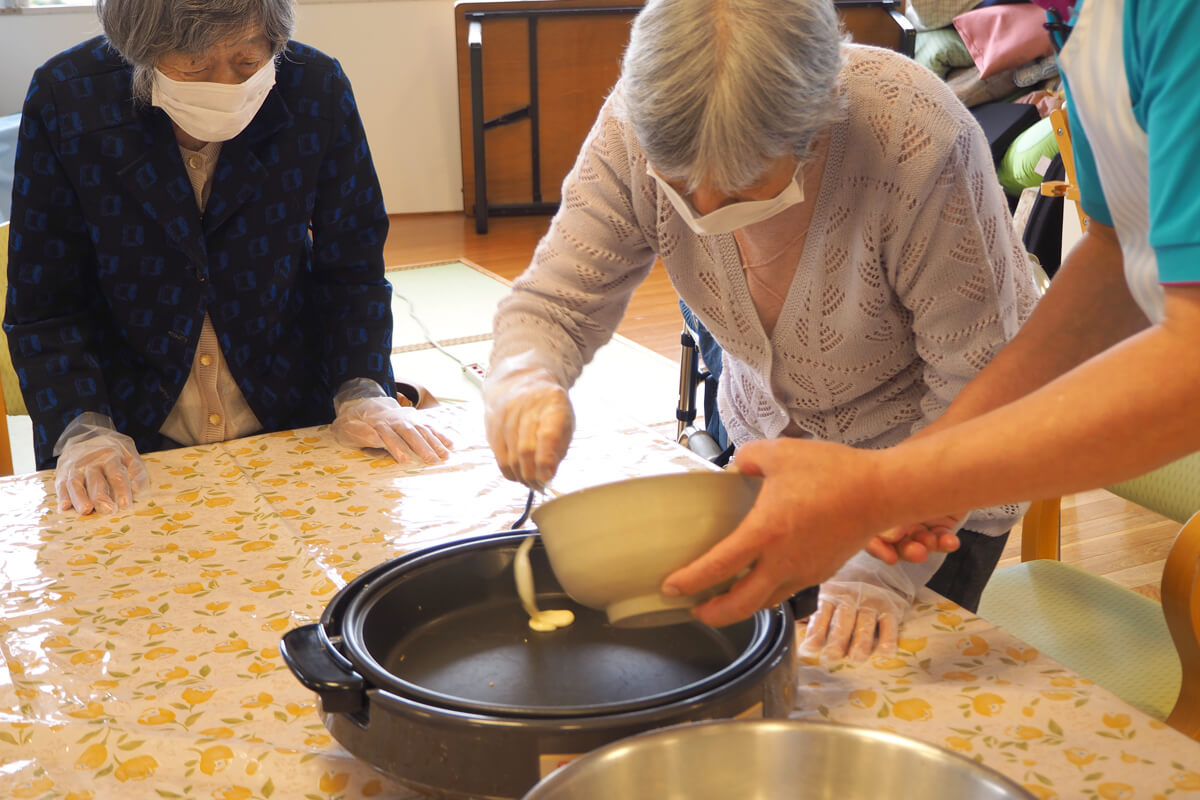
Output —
<point x="1162" y="65"/>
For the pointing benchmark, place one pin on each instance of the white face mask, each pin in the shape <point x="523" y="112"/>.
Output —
<point x="213" y="112"/>
<point x="727" y="219"/>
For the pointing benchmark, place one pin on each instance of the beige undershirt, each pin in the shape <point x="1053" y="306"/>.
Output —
<point x="771" y="251"/>
<point x="211" y="407"/>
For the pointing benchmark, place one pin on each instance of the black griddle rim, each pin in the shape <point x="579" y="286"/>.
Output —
<point x="342" y="624"/>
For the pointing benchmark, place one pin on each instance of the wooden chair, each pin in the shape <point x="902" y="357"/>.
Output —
<point x="1068" y="188"/>
<point x="6" y="461"/>
<point x="9" y="390"/>
<point x="1146" y="654"/>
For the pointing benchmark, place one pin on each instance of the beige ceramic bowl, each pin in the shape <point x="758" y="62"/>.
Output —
<point x="611" y="546"/>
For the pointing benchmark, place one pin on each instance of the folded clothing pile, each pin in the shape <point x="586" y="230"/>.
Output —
<point x="996" y="51"/>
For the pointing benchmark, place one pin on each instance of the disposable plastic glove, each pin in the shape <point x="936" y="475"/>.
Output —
<point x="98" y="468"/>
<point x="528" y="418"/>
<point x="859" y="609"/>
<point x="367" y="417"/>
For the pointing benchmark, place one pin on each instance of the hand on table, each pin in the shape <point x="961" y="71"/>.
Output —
<point x="529" y="421"/>
<point x="816" y="509"/>
<point x="917" y="541"/>
<point x="853" y="620"/>
<point x="859" y="609"/>
<point x="98" y="468"/>
<point x="383" y="422"/>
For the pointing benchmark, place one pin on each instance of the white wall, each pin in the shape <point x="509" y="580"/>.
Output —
<point x="29" y="38"/>
<point x="399" y="55"/>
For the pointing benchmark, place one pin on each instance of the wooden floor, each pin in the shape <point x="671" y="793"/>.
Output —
<point x="652" y="320"/>
<point x="1100" y="532"/>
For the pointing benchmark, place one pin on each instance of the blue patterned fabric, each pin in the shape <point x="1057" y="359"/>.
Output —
<point x="112" y="267"/>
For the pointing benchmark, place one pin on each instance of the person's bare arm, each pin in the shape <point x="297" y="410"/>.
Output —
<point x="1087" y="309"/>
<point x="1117" y="414"/>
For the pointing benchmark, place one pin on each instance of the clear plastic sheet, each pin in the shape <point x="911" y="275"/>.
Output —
<point x="141" y="649"/>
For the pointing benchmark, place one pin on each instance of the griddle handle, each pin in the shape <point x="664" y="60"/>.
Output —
<point x="804" y="602"/>
<point x="306" y="653"/>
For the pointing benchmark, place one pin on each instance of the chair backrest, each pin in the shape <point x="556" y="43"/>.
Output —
<point x="1180" y="610"/>
<point x="6" y="462"/>
<point x="1173" y="490"/>
<point x="1181" y="607"/>
<point x="6" y="367"/>
<point x="8" y="375"/>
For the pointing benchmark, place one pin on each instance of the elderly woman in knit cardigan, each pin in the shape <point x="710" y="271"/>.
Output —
<point x="828" y="211"/>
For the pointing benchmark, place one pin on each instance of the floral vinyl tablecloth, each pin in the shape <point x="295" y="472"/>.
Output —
<point x="141" y="649"/>
<point x="961" y="683"/>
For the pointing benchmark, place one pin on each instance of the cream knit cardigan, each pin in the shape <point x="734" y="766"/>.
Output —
<point x="911" y="277"/>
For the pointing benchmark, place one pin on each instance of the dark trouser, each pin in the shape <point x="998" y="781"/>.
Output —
<point x="965" y="572"/>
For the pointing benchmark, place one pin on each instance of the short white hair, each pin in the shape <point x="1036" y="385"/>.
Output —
<point x="718" y="89"/>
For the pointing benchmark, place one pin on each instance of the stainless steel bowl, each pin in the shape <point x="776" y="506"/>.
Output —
<point x="773" y="760"/>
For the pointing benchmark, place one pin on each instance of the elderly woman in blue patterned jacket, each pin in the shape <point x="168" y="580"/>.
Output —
<point x="196" y="247"/>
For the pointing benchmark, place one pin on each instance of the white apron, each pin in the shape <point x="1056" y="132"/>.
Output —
<point x="1094" y="63"/>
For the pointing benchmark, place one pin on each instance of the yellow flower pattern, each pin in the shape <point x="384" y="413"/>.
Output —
<point x="977" y="691"/>
<point x="141" y="648"/>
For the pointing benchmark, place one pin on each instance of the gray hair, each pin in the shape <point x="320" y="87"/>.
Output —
<point x="717" y="89"/>
<point x="143" y="31"/>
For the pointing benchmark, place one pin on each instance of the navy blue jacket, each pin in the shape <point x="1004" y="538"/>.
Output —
<point x="112" y="267"/>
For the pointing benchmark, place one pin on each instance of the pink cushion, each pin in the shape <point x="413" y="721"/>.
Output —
<point x="1003" y="37"/>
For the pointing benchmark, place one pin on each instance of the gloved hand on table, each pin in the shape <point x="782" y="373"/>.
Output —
<point x="859" y="609"/>
<point x="98" y="468"/>
<point x="368" y="417"/>
<point x="529" y="419"/>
